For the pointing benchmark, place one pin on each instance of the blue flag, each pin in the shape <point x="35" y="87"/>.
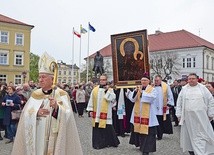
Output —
<point x="91" y="27"/>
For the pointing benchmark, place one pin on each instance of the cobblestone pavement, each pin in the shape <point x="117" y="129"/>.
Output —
<point x="169" y="145"/>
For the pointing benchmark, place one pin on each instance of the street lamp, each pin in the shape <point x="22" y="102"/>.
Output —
<point x="24" y="74"/>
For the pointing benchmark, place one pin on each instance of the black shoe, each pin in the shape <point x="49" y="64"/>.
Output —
<point x="159" y="138"/>
<point x="123" y="135"/>
<point x="145" y="153"/>
<point x="10" y="141"/>
<point x="175" y="125"/>
<point x="97" y="148"/>
<point x="1" y="138"/>
<point x="191" y="153"/>
<point x="5" y="136"/>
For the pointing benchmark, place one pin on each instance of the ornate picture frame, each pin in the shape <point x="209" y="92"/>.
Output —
<point x="129" y="57"/>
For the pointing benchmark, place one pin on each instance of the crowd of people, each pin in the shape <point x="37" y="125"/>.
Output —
<point x="145" y="112"/>
<point x="12" y="98"/>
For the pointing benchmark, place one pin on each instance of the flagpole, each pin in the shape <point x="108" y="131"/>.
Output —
<point x="72" y="70"/>
<point x="87" y="55"/>
<point x="80" y="54"/>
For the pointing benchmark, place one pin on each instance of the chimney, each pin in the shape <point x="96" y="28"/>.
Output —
<point x="157" y="32"/>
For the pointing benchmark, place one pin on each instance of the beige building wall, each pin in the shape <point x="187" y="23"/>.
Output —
<point x="12" y="70"/>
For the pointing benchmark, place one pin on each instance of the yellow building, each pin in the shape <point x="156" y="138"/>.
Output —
<point x="15" y="39"/>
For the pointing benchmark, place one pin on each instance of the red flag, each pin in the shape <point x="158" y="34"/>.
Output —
<point x="77" y="34"/>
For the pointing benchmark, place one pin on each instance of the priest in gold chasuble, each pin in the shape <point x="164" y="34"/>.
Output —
<point x="47" y="125"/>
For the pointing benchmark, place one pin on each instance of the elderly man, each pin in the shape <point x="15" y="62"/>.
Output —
<point x="100" y="107"/>
<point x="47" y="125"/>
<point x="195" y="110"/>
<point x="143" y="117"/>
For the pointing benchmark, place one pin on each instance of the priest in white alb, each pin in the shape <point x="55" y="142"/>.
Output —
<point x="195" y="110"/>
<point x="47" y="125"/>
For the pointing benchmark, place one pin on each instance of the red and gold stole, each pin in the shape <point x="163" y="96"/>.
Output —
<point x="141" y="118"/>
<point x="103" y="110"/>
<point x="164" y="90"/>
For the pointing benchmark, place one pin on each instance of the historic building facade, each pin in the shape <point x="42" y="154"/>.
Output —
<point x="15" y="39"/>
<point x="65" y="74"/>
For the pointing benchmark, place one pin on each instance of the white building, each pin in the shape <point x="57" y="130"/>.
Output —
<point x="191" y="53"/>
<point x="187" y="52"/>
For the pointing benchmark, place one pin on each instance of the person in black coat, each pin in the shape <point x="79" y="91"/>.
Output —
<point x="10" y="102"/>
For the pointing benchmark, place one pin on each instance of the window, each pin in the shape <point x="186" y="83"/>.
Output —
<point x="64" y="80"/>
<point x="19" y="39"/>
<point x="4" y="57"/>
<point x="188" y="62"/>
<point x="183" y="62"/>
<point x="64" y="72"/>
<point x="208" y="77"/>
<point x="18" y="58"/>
<point x="212" y="63"/>
<point x="3" y="78"/>
<point x="18" y="79"/>
<point x="74" y="73"/>
<point x="69" y="72"/>
<point x="193" y="62"/>
<point x="59" y="80"/>
<point x="60" y="72"/>
<point x="208" y="59"/>
<point x="69" y="81"/>
<point x="4" y="37"/>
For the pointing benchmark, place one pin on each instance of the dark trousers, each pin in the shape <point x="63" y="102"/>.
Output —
<point x="80" y="108"/>
<point x="73" y="105"/>
<point x="11" y="131"/>
<point x="175" y="118"/>
<point x="104" y="137"/>
<point x="147" y="143"/>
<point x="164" y="126"/>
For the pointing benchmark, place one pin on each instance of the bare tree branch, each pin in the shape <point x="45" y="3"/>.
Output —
<point x="164" y="64"/>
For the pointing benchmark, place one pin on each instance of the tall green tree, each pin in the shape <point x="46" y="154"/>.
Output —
<point x="34" y="72"/>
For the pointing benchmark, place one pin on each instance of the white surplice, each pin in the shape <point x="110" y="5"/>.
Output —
<point x="32" y="133"/>
<point x="194" y="107"/>
<point x="159" y="99"/>
<point x="149" y="98"/>
<point x="109" y="96"/>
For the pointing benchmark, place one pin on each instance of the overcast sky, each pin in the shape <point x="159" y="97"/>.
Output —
<point x="54" y="21"/>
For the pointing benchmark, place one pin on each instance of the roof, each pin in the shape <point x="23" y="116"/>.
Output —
<point x="176" y="40"/>
<point x="167" y="41"/>
<point x="105" y="52"/>
<point x="6" y="19"/>
<point x="75" y="66"/>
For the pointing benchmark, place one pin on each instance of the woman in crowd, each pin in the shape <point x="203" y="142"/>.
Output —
<point x="10" y="102"/>
<point x="80" y="99"/>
